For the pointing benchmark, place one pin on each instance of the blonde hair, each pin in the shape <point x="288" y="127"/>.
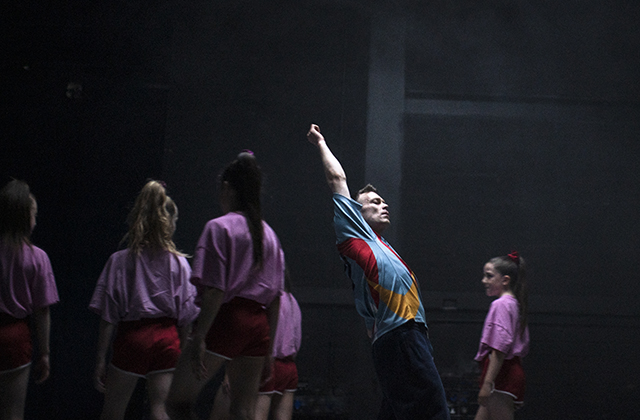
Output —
<point x="152" y="220"/>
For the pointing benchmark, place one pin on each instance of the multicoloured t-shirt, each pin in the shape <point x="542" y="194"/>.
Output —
<point x="385" y="289"/>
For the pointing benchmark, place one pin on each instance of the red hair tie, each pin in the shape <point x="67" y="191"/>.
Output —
<point x="515" y="257"/>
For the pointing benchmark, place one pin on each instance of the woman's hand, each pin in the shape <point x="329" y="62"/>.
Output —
<point x="100" y="376"/>
<point x="42" y="368"/>
<point x="267" y="370"/>
<point x="196" y="349"/>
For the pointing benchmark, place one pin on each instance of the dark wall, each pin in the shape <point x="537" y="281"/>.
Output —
<point x="540" y="154"/>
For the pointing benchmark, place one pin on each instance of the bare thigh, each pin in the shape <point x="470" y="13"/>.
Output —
<point x="221" y="404"/>
<point x="244" y="380"/>
<point x="13" y="393"/>
<point x="158" y="385"/>
<point x="119" y="387"/>
<point x="263" y="404"/>
<point x="499" y="407"/>
<point x="283" y="406"/>
<point x="186" y="386"/>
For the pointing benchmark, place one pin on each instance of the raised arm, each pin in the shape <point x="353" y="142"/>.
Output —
<point x="336" y="178"/>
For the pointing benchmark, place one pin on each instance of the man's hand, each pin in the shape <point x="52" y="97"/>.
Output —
<point x="314" y="136"/>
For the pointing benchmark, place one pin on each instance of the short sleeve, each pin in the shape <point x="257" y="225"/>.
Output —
<point x="44" y="290"/>
<point x="209" y="260"/>
<point x="186" y="294"/>
<point x="498" y="332"/>
<point x="103" y="302"/>
<point x="348" y="220"/>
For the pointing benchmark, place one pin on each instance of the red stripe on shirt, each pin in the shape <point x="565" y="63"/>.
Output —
<point x="359" y="251"/>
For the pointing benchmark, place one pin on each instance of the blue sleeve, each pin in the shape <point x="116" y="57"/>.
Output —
<point x="348" y="221"/>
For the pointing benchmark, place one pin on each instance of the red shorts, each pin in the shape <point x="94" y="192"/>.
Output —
<point x="284" y="377"/>
<point x="15" y="343"/>
<point x="149" y="345"/>
<point x="510" y="379"/>
<point x="241" y="328"/>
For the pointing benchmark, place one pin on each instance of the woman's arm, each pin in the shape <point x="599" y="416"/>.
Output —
<point x="104" y="340"/>
<point x="211" y="300"/>
<point x="273" y="313"/>
<point x="42" y="324"/>
<point x="496" y="359"/>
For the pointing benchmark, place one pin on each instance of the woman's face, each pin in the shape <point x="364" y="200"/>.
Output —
<point x="495" y="284"/>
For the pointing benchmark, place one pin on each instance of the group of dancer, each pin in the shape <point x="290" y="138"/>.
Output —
<point x="177" y="324"/>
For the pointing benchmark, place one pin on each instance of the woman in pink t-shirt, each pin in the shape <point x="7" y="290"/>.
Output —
<point x="27" y="289"/>
<point x="505" y="339"/>
<point x="238" y="269"/>
<point x="144" y="294"/>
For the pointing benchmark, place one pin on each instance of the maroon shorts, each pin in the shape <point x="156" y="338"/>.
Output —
<point x="15" y="343"/>
<point x="284" y="377"/>
<point x="149" y="345"/>
<point x="241" y="328"/>
<point x="510" y="379"/>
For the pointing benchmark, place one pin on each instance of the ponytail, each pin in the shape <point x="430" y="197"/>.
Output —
<point x="151" y="221"/>
<point x="514" y="266"/>
<point x="245" y="178"/>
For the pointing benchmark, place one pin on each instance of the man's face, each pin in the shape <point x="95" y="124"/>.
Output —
<point x="375" y="211"/>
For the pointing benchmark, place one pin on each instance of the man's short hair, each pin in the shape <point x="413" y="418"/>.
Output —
<point x="367" y="188"/>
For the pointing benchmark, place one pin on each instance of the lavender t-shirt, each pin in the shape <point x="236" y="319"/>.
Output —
<point x="151" y="285"/>
<point x="27" y="281"/>
<point x="502" y="330"/>
<point x="224" y="260"/>
<point x="289" y="331"/>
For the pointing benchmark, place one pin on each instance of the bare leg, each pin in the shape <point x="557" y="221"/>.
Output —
<point x="13" y="393"/>
<point x="222" y="403"/>
<point x="482" y="413"/>
<point x="119" y="387"/>
<point x="186" y="386"/>
<point x="158" y="386"/>
<point x="500" y="406"/>
<point x="283" y="406"/>
<point x="263" y="404"/>
<point x="244" y="379"/>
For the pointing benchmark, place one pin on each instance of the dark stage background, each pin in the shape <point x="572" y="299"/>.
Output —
<point x="517" y="127"/>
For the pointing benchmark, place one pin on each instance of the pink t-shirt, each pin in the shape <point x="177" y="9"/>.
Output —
<point x="501" y="330"/>
<point x="27" y="281"/>
<point x="153" y="285"/>
<point x="224" y="259"/>
<point x="289" y="331"/>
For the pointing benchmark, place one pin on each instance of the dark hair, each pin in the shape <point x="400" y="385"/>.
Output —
<point x="367" y="188"/>
<point x="151" y="220"/>
<point x="506" y="266"/>
<point x="245" y="178"/>
<point x="16" y="202"/>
